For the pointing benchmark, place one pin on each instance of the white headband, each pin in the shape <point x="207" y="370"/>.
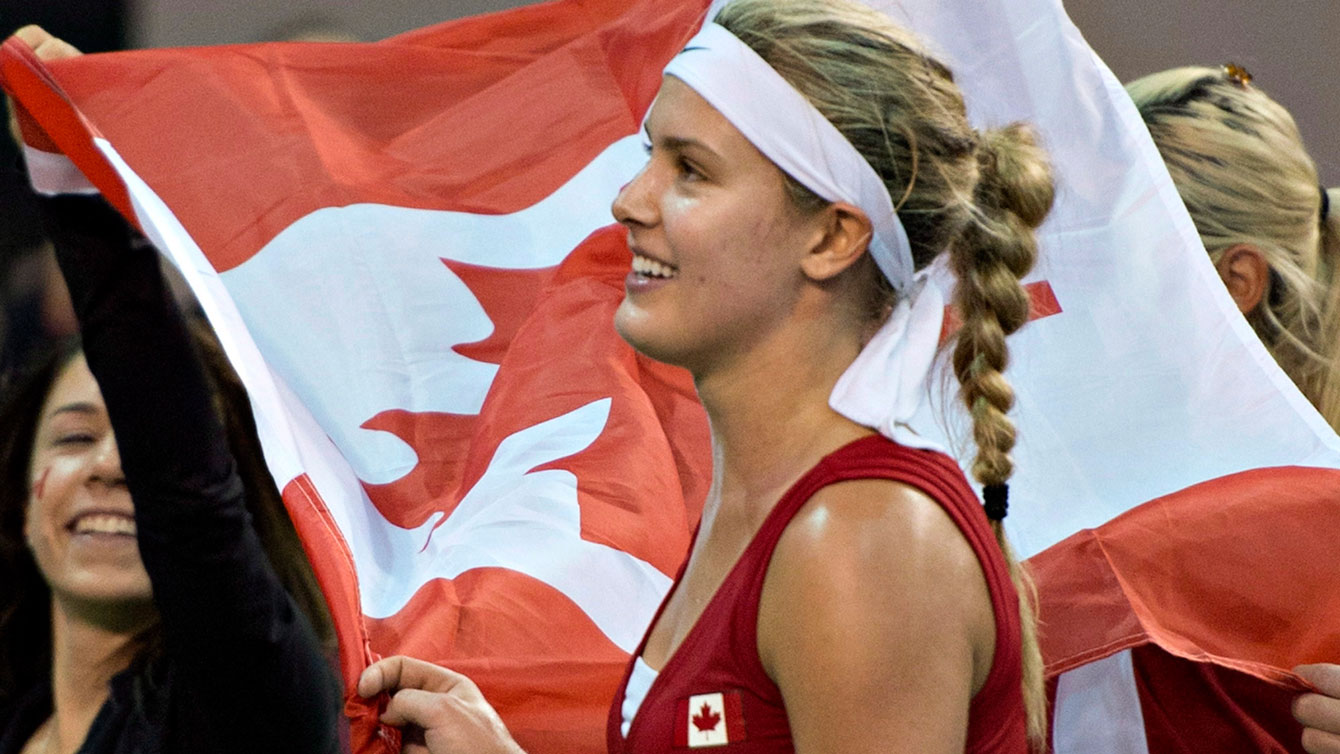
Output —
<point x="791" y="132"/>
<point x="886" y="385"/>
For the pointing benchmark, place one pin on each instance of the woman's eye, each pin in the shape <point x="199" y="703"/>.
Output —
<point x="689" y="170"/>
<point x="75" y="438"/>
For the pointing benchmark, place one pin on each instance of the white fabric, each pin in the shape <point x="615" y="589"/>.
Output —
<point x="886" y="385"/>
<point x="1098" y="709"/>
<point x="52" y="174"/>
<point x="639" y="683"/>
<point x="788" y="130"/>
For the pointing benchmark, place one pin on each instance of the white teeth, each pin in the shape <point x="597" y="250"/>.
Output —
<point x="105" y="523"/>
<point x="651" y="268"/>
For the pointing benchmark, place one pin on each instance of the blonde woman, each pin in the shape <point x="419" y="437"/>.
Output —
<point x="1239" y="164"/>
<point x="1272" y="231"/>
<point x="846" y="591"/>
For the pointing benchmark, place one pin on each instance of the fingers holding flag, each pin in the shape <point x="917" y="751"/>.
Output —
<point x="402" y="672"/>
<point x="22" y="127"/>
<point x="442" y="711"/>
<point x="1320" y="713"/>
<point x="45" y="45"/>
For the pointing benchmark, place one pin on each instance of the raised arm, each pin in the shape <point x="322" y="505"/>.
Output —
<point x="227" y="621"/>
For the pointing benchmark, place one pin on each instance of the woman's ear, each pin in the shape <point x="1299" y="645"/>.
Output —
<point x="845" y="237"/>
<point x="1246" y="274"/>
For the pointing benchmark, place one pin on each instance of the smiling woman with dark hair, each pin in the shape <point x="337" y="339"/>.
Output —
<point x="144" y="605"/>
<point x="69" y="534"/>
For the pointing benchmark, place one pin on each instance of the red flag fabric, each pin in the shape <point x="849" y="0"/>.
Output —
<point x="1185" y="611"/>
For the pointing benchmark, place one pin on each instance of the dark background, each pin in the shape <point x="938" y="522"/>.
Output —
<point x="87" y="24"/>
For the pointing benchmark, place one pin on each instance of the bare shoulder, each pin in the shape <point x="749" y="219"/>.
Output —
<point x="875" y="601"/>
<point x="858" y="533"/>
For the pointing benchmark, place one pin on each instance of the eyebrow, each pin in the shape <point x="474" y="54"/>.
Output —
<point x="81" y="407"/>
<point x="679" y="143"/>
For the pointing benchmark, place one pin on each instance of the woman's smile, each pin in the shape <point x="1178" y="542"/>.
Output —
<point x="103" y="525"/>
<point x="645" y="266"/>
<point x="80" y="521"/>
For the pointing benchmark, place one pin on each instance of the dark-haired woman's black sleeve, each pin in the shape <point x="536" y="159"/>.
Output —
<point x="231" y="632"/>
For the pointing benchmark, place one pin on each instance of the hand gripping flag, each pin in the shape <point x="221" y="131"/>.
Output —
<point x="405" y="248"/>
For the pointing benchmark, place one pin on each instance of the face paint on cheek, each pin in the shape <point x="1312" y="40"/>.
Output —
<point x="40" y="486"/>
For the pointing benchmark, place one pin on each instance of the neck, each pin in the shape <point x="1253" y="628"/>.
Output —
<point x="85" y="655"/>
<point x="769" y="413"/>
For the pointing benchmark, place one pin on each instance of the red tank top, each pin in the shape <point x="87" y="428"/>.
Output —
<point x="713" y="691"/>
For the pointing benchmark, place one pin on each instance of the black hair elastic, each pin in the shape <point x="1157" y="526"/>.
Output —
<point x="996" y="501"/>
<point x="1325" y="204"/>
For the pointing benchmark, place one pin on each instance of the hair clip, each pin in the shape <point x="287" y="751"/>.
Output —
<point x="1237" y="74"/>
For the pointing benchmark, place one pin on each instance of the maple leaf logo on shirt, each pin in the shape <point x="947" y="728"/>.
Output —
<point x="706" y="719"/>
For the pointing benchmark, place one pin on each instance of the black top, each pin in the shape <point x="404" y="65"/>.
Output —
<point x="241" y="669"/>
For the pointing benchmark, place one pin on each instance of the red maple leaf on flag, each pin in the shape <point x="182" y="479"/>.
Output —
<point x="706" y="719"/>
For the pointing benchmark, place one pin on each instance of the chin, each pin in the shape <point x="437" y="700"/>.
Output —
<point x="639" y="330"/>
<point x="127" y="589"/>
<point x="630" y="323"/>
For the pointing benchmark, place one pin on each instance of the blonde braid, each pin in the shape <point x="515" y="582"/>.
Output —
<point x="1014" y="193"/>
<point x="988" y="258"/>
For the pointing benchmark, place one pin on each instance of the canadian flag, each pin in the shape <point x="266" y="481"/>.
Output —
<point x="406" y="249"/>
<point x="705" y="720"/>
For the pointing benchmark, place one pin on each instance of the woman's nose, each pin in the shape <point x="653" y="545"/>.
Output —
<point x="634" y="204"/>
<point x="107" y="461"/>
